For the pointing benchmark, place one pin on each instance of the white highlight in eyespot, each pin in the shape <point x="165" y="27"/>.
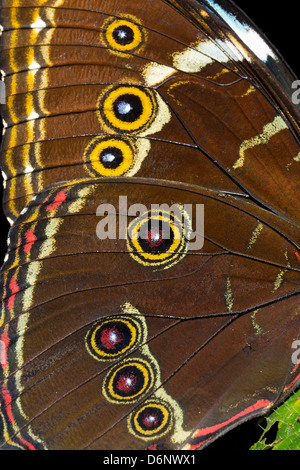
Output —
<point x="38" y="24"/>
<point x="250" y="37"/>
<point x="34" y="66"/>
<point x="124" y="108"/>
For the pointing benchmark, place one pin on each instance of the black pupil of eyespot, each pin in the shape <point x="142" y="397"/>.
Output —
<point x="113" y="337"/>
<point x="128" y="107"/>
<point x="111" y="157"/>
<point x="128" y="381"/>
<point x="156" y="237"/>
<point x="123" y="35"/>
<point x="150" y="418"/>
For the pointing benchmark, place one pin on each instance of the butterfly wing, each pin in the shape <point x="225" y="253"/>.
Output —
<point x="101" y="358"/>
<point x="100" y="351"/>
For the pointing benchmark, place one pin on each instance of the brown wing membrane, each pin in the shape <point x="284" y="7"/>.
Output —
<point x="64" y="297"/>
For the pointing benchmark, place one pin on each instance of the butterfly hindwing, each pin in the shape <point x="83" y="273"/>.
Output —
<point x="62" y="313"/>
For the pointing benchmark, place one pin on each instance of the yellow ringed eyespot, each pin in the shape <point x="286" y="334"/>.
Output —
<point x="110" y="338"/>
<point x="128" y="382"/>
<point x="152" y="420"/>
<point x="109" y="156"/>
<point x="127" y="108"/>
<point x="123" y="35"/>
<point x="158" y="239"/>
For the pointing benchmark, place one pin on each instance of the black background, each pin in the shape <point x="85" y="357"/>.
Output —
<point x="279" y="21"/>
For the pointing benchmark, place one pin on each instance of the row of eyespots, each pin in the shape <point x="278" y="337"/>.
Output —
<point x="159" y="238"/>
<point x="124" y="109"/>
<point x="131" y="113"/>
<point x="121" y="108"/>
<point x="131" y="379"/>
<point x="129" y="110"/>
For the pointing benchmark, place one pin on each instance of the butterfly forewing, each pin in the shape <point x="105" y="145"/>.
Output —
<point x="144" y="337"/>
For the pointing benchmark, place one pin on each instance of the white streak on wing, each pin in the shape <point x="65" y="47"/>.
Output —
<point x="38" y="24"/>
<point x="29" y="169"/>
<point x="269" y="130"/>
<point x="195" y="58"/>
<point x="4" y="179"/>
<point x="154" y="73"/>
<point x="32" y="116"/>
<point x="210" y="49"/>
<point x="234" y="52"/>
<point x="34" y="66"/>
<point x="250" y="37"/>
<point x="190" y="60"/>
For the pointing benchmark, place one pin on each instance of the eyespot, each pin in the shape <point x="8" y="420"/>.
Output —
<point x="123" y="35"/>
<point x="128" y="108"/>
<point x="113" y="337"/>
<point x="118" y="156"/>
<point x="132" y="110"/>
<point x="153" y="420"/>
<point x="159" y="238"/>
<point x="128" y="382"/>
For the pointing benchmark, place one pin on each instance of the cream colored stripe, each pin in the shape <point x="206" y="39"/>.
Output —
<point x="269" y="130"/>
<point x="229" y="295"/>
<point x="279" y="278"/>
<point x="255" y="234"/>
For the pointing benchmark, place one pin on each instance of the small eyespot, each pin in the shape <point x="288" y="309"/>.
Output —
<point x="153" y="420"/>
<point x="109" y="157"/>
<point x="128" y="382"/>
<point x="158" y="238"/>
<point x="123" y="35"/>
<point x="115" y="156"/>
<point x="113" y="337"/>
